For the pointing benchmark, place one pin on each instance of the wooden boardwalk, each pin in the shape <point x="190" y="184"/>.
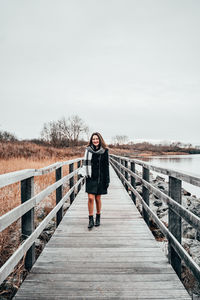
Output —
<point x="120" y="259"/>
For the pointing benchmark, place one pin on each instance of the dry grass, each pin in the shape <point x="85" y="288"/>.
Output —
<point x="10" y="195"/>
<point x="31" y="151"/>
<point x="17" y="156"/>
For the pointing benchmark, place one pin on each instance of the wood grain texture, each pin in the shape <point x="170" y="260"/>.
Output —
<point x="12" y="177"/>
<point x="120" y="259"/>
<point x="189" y="216"/>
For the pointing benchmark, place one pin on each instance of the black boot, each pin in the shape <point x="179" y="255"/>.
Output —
<point x="91" y="222"/>
<point x="97" y="222"/>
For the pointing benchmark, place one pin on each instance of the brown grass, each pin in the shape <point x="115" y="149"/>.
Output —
<point x="18" y="156"/>
<point x="28" y="150"/>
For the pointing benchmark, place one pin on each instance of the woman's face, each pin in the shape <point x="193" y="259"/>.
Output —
<point x="95" y="140"/>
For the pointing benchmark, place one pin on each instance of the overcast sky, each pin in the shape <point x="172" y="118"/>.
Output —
<point x="125" y="67"/>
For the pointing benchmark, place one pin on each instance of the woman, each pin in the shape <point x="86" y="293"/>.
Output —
<point x="96" y="170"/>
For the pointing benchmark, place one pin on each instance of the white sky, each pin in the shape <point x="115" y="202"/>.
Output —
<point x="125" y="67"/>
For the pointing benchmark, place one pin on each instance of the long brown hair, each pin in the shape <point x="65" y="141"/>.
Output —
<point x="101" y="140"/>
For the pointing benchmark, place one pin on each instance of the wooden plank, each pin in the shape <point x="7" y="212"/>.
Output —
<point x="8" y="267"/>
<point x="17" y="212"/>
<point x="37" y="277"/>
<point x="13" y="177"/>
<point x="190" y="263"/>
<point x="120" y="259"/>
<point x="187" y="215"/>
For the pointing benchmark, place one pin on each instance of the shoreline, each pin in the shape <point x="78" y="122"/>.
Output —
<point x="190" y="237"/>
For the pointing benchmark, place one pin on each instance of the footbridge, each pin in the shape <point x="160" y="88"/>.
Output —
<point x="120" y="259"/>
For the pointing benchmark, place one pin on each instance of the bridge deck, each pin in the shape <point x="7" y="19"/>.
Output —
<point x="120" y="259"/>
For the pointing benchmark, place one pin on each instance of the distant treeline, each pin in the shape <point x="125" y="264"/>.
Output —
<point x="68" y="133"/>
<point x="6" y="136"/>
<point x="39" y="149"/>
<point x="146" y="146"/>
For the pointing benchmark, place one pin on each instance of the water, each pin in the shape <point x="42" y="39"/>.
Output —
<point x="185" y="163"/>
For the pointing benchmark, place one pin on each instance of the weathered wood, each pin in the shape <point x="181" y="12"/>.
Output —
<point x="133" y="182"/>
<point x="94" y="277"/>
<point x="8" y="267"/>
<point x="126" y="173"/>
<point x="79" y="176"/>
<point x="174" y="224"/>
<point x="81" y="264"/>
<point x="177" y="246"/>
<point x="27" y="223"/>
<point x="13" y="177"/>
<point x="71" y="182"/>
<point x="59" y="214"/>
<point x="20" y="210"/>
<point x="187" y="215"/>
<point x="145" y="194"/>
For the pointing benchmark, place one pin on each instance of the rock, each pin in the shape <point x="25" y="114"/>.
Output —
<point x="196" y="210"/>
<point x="162" y="212"/>
<point x="44" y="236"/>
<point x="66" y="206"/>
<point x="138" y="183"/>
<point x="159" y="178"/>
<point x="193" y="246"/>
<point x="189" y="233"/>
<point x="41" y="213"/>
<point x="185" y="193"/>
<point x="157" y="203"/>
<point x="37" y="242"/>
<point x="185" y="201"/>
<point x="161" y="186"/>
<point x="51" y="225"/>
<point x="198" y="236"/>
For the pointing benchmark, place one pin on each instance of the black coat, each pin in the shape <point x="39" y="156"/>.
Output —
<point x="100" y="178"/>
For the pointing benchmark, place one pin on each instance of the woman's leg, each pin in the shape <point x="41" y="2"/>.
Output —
<point x="91" y="203"/>
<point x="98" y="203"/>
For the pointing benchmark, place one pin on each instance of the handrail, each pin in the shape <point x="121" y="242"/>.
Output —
<point x="17" y="212"/>
<point x="172" y="233"/>
<point x="7" y="268"/>
<point x="29" y="201"/>
<point x="184" y="176"/>
<point x="13" y="177"/>
<point x="188" y="216"/>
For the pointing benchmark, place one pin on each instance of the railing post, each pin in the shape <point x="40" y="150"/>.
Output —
<point x="126" y="173"/>
<point x="118" y="167"/>
<point x="145" y="194"/>
<point x="71" y="182"/>
<point x="27" y="223"/>
<point x="79" y="176"/>
<point x="59" y="214"/>
<point x="117" y="159"/>
<point x="174" y="223"/>
<point x="122" y="170"/>
<point x="133" y="182"/>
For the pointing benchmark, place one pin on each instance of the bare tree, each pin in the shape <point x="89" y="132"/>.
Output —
<point x="64" y="132"/>
<point x="6" y="136"/>
<point x="120" y="139"/>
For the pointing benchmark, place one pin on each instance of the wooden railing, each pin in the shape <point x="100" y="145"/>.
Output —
<point x="25" y="211"/>
<point x="125" y="168"/>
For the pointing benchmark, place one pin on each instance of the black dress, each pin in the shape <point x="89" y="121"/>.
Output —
<point x="100" y="177"/>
